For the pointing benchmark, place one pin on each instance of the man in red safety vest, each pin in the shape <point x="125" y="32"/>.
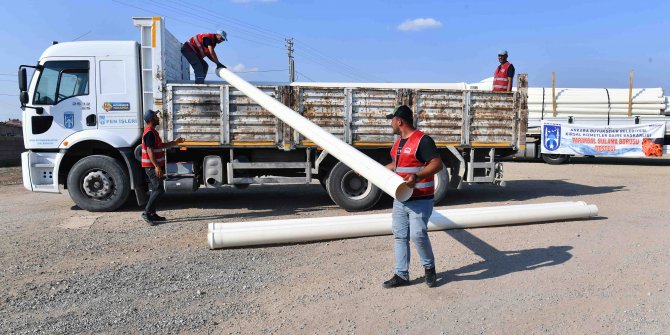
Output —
<point x="200" y="46"/>
<point x="153" y="162"/>
<point x="415" y="158"/>
<point x="504" y="74"/>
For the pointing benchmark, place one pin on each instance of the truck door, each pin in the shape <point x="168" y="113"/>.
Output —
<point x="67" y="102"/>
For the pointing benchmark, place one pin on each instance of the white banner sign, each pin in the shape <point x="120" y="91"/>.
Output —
<point x="641" y="140"/>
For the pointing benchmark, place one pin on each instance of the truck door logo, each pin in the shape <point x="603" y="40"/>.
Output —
<point x="551" y="137"/>
<point x="68" y="120"/>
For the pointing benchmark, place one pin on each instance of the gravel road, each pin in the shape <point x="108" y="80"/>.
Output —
<point x="65" y="270"/>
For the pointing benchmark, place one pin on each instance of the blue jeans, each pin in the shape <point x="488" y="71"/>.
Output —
<point x="410" y="222"/>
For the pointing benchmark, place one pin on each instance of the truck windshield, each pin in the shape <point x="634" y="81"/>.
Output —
<point x="60" y="80"/>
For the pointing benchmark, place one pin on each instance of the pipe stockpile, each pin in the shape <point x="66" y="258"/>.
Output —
<point x="379" y="175"/>
<point x="596" y="102"/>
<point x="237" y="234"/>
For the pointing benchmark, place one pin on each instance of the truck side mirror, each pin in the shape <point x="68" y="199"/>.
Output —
<point x="23" y="80"/>
<point x="23" y="97"/>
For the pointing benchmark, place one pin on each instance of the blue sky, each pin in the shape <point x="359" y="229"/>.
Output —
<point x="587" y="43"/>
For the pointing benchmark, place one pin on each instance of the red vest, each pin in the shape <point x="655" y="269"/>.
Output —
<point x="407" y="164"/>
<point x="500" y="77"/>
<point x="195" y="44"/>
<point x="159" y="153"/>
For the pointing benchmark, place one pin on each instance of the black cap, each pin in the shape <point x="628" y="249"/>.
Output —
<point x="402" y="112"/>
<point x="149" y="114"/>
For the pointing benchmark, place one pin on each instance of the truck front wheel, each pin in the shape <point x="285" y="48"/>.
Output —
<point x="98" y="184"/>
<point x="350" y="190"/>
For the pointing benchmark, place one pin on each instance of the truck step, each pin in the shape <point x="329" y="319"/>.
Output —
<point x="271" y="180"/>
<point x="301" y="165"/>
<point x="42" y="165"/>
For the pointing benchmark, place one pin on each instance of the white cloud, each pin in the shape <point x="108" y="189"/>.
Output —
<point x="419" y="24"/>
<point x="250" y="1"/>
<point x="242" y="68"/>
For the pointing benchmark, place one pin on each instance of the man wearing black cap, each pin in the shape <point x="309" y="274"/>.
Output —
<point x="415" y="158"/>
<point x="153" y="162"/>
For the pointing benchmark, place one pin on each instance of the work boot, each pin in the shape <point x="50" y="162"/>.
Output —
<point x="148" y="219"/>
<point x="431" y="277"/>
<point x="156" y="217"/>
<point x="396" y="281"/>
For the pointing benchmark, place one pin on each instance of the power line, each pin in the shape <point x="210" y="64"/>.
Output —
<point x="235" y="21"/>
<point x="302" y="74"/>
<point x="9" y="95"/>
<point x="336" y="61"/>
<point x="327" y="61"/>
<point x="198" y="15"/>
<point x="253" y="71"/>
<point x="82" y="35"/>
<point x="194" y="24"/>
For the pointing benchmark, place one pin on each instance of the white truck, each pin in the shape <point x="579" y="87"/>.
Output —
<point x="83" y="123"/>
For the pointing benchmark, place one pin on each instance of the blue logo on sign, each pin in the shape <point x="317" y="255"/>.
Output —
<point x="68" y="120"/>
<point x="103" y="120"/>
<point x="551" y="137"/>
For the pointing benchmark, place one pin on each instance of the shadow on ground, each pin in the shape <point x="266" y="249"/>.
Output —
<point x="278" y="200"/>
<point x="604" y="161"/>
<point x="521" y="190"/>
<point x="497" y="263"/>
<point x="260" y="201"/>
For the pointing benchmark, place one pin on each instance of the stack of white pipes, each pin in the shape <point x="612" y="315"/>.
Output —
<point x="595" y="102"/>
<point x="237" y="234"/>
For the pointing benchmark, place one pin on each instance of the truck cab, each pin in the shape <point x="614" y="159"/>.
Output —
<point x="84" y="105"/>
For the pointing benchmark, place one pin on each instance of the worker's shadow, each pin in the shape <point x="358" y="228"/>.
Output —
<point x="496" y="263"/>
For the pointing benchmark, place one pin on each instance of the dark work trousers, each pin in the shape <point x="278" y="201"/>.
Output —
<point x="156" y="190"/>
<point x="198" y="64"/>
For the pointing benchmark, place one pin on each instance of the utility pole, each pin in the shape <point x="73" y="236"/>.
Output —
<point x="291" y="63"/>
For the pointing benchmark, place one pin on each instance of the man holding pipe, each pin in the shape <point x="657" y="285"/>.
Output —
<point x="415" y="158"/>
<point x="200" y="46"/>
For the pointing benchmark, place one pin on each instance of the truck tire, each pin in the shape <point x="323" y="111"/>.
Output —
<point x="441" y="185"/>
<point x="98" y="184"/>
<point x="243" y="174"/>
<point x="350" y="190"/>
<point x="323" y="181"/>
<point x="555" y="159"/>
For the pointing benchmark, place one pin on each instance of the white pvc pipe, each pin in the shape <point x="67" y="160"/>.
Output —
<point x="367" y="167"/>
<point x="236" y="234"/>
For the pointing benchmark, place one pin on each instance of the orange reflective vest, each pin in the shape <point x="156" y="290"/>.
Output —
<point x="406" y="164"/>
<point x="195" y="44"/>
<point x="158" y="149"/>
<point x="500" y="77"/>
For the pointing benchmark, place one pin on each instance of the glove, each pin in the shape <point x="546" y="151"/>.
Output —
<point x="220" y="66"/>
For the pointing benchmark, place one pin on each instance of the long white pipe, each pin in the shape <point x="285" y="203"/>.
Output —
<point x="367" y="167"/>
<point x="225" y="235"/>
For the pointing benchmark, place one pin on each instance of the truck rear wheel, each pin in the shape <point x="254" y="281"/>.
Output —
<point x="441" y="185"/>
<point x="555" y="159"/>
<point x="350" y="190"/>
<point x="98" y="184"/>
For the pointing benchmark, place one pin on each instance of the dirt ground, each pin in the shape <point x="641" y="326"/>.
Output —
<point x="65" y="270"/>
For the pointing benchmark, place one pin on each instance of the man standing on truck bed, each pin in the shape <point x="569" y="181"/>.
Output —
<point x="153" y="162"/>
<point x="504" y="74"/>
<point x="415" y="158"/>
<point x="200" y="46"/>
